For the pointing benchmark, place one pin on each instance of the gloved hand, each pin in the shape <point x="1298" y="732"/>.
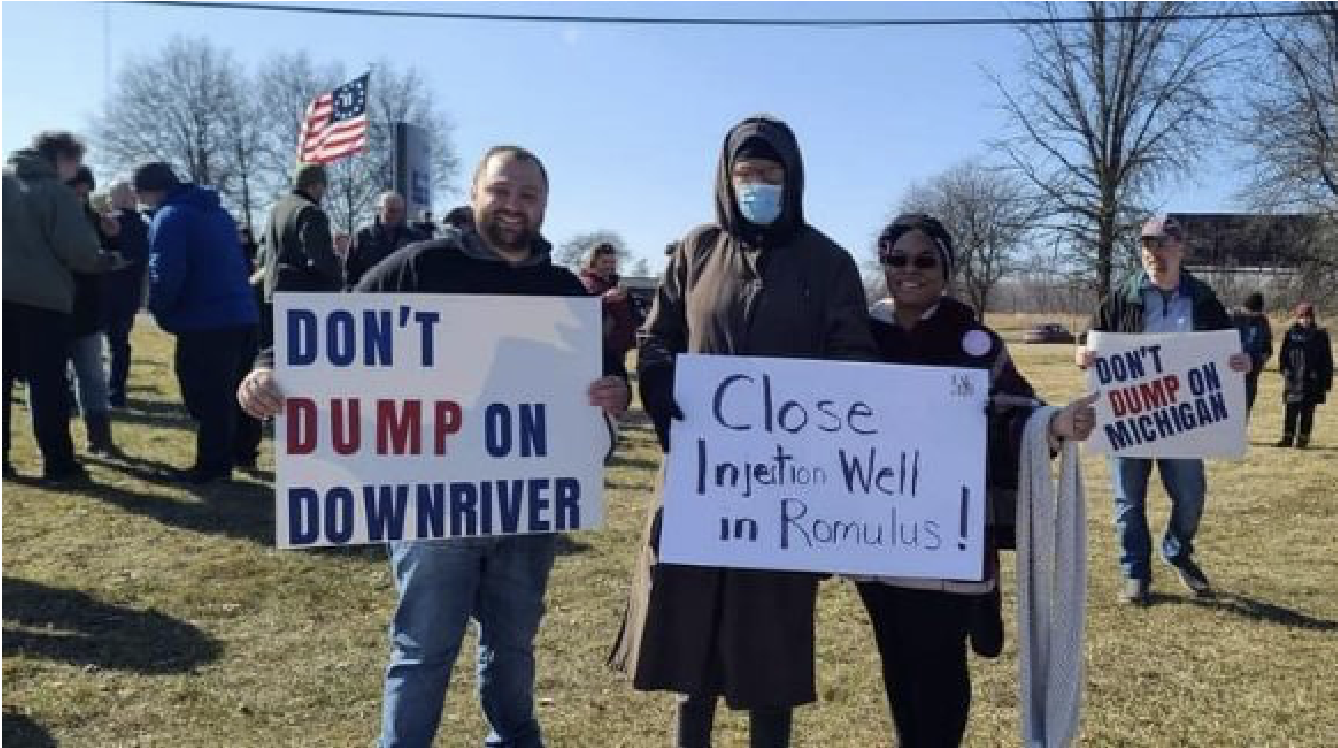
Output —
<point x="657" y="398"/>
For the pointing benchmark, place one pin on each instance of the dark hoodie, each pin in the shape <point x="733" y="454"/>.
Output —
<point x="733" y="288"/>
<point x="197" y="278"/>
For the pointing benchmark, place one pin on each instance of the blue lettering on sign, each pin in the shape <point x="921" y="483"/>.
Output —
<point x="303" y="516"/>
<point x="339" y="515"/>
<point x="301" y="337"/>
<point x="385" y="511"/>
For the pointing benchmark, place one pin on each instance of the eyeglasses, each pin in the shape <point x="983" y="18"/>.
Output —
<point x="898" y="260"/>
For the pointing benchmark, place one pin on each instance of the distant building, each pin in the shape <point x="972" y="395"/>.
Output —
<point x="1247" y="242"/>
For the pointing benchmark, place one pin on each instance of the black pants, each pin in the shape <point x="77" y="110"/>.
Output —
<point x="1251" y="390"/>
<point x="1298" y="420"/>
<point x="922" y="640"/>
<point x="208" y="363"/>
<point x="767" y="728"/>
<point x="118" y="341"/>
<point x="36" y="347"/>
<point x="249" y="432"/>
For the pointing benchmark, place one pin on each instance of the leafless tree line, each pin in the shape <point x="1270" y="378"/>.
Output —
<point x="193" y="105"/>
<point x="1134" y="99"/>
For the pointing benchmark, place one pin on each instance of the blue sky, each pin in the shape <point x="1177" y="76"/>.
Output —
<point x="628" y="119"/>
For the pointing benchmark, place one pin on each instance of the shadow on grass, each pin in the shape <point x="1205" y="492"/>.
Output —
<point x="72" y="627"/>
<point x="22" y="730"/>
<point x="233" y="509"/>
<point x="1255" y="610"/>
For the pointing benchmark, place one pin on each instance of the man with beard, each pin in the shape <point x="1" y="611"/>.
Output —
<point x="498" y="581"/>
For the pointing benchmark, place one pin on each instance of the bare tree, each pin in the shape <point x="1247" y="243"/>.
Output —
<point x="179" y="106"/>
<point x="288" y="84"/>
<point x="285" y="84"/>
<point x="1110" y="110"/>
<point x="1291" y="128"/>
<point x="572" y="252"/>
<point x="989" y="214"/>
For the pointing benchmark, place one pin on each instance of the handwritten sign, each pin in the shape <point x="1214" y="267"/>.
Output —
<point x="412" y="417"/>
<point x="824" y="466"/>
<point x="1170" y="395"/>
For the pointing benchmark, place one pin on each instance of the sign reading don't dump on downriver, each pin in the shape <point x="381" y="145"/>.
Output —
<point x="420" y="416"/>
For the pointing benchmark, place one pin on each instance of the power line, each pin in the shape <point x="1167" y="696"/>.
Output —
<point x="668" y="21"/>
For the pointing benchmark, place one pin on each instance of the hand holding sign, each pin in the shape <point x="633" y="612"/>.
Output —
<point x="1076" y="421"/>
<point x="259" y="395"/>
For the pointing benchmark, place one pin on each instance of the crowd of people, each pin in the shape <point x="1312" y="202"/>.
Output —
<point x="758" y="280"/>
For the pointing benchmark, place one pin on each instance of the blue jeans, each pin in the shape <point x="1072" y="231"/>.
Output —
<point x="500" y="583"/>
<point x="1184" y="483"/>
<point x="90" y="374"/>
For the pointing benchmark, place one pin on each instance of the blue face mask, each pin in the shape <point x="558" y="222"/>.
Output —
<point x="760" y="203"/>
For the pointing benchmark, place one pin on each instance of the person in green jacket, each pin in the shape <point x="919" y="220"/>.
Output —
<point x="47" y="237"/>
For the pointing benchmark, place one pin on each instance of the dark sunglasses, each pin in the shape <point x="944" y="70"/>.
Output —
<point x="898" y="260"/>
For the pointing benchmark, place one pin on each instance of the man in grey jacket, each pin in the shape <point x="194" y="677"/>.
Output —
<point x="46" y="237"/>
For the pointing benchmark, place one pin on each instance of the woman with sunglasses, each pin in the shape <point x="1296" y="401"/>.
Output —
<point x="1306" y="364"/>
<point x="922" y="625"/>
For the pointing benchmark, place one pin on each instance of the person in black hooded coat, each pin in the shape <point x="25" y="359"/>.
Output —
<point x="1306" y="365"/>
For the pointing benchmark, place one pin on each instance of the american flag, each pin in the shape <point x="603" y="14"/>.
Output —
<point x="335" y="125"/>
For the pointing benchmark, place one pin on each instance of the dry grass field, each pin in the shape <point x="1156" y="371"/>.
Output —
<point x="137" y="614"/>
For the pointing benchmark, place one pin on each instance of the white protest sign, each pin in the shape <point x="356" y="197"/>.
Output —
<point x="414" y="416"/>
<point x="1170" y="395"/>
<point x="827" y="466"/>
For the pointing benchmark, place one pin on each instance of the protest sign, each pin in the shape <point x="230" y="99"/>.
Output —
<point x="1169" y="395"/>
<point x="827" y="466"/>
<point x="417" y="416"/>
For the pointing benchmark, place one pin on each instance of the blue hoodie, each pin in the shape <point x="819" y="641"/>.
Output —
<point x="197" y="274"/>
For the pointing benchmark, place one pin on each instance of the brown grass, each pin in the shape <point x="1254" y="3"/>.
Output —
<point x="141" y="615"/>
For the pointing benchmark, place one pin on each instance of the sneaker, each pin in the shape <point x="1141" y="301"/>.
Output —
<point x="1285" y="441"/>
<point x="1303" y="442"/>
<point x="1136" y="592"/>
<point x="1193" y="577"/>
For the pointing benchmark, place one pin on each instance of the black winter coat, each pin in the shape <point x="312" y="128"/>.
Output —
<point x="1306" y="363"/>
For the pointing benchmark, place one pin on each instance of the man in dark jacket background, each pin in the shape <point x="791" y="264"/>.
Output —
<point x="46" y="237"/>
<point x="198" y="291"/>
<point x="1161" y="298"/>
<point x="388" y="232"/>
<point x="1257" y="337"/>
<point x="90" y="370"/>
<point x="123" y="290"/>
<point x="600" y="277"/>
<point x="299" y="250"/>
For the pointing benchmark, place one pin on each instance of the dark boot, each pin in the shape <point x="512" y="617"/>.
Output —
<point x="987" y="627"/>
<point x="1286" y="441"/>
<point x="100" y="435"/>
